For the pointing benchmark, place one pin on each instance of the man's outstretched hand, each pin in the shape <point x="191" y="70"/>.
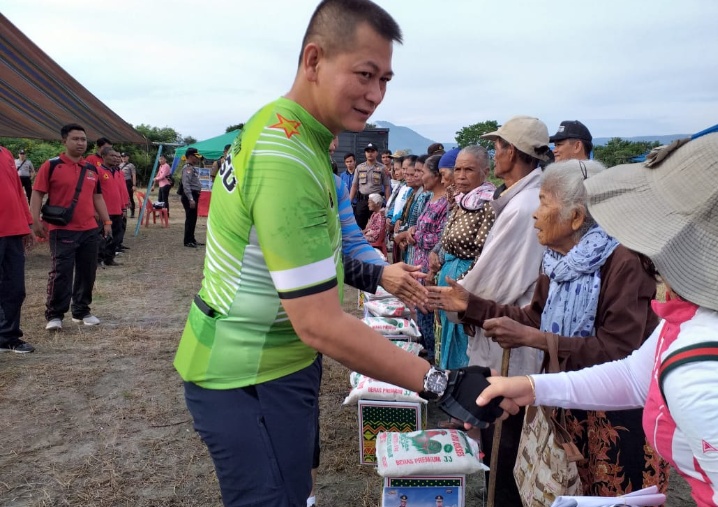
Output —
<point x="402" y="280"/>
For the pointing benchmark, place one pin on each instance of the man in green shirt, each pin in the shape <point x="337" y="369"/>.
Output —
<point x="271" y="293"/>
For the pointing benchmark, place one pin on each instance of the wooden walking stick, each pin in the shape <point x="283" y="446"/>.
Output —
<point x="497" y="438"/>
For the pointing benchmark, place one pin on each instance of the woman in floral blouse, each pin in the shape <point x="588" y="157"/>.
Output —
<point x="426" y="234"/>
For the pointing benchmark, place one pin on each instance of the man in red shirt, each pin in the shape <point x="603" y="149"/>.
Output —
<point x="96" y="158"/>
<point x="15" y="237"/>
<point x="113" y="200"/>
<point x="119" y="176"/>
<point x="73" y="247"/>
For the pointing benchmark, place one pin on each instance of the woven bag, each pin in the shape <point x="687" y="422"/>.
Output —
<point x="546" y="463"/>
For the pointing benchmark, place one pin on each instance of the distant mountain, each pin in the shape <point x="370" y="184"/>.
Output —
<point x="601" y="141"/>
<point x="402" y="138"/>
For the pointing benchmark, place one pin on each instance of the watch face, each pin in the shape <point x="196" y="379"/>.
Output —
<point x="436" y="382"/>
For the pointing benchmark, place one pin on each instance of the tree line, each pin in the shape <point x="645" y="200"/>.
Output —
<point x="616" y="151"/>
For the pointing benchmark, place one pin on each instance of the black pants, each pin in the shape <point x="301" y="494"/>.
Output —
<point x="507" y="493"/>
<point x="12" y="287"/>
<point x="259" y="457"/>
<point x="164" y="196"/>
<point x="132" y="196"/>
<point x="109" y="247"/>
<point x="123" y="228"/>
<point x="361" y="211"/>
<point x="27" y="185"/>
<point x="71" y="252"/>
<point x="190" y="221"/>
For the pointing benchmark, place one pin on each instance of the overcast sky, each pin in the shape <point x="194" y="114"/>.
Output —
<point x="623" y="67"/>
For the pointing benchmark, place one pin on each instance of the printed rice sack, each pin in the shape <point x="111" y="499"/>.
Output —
<point x="428" y="452"/>
<point x="379" y="294"/>
<point x="390" y="307"/>
<point x="369" y="389"/>
<point x="411" y="347"/>
<point x="392" y="326"/>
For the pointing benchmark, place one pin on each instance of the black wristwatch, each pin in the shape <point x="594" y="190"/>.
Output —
<point x="435" y="383"/>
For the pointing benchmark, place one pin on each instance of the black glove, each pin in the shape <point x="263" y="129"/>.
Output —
<point x="459" y="399"/>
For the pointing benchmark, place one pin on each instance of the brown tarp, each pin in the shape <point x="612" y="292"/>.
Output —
<point x="37" y="96"/>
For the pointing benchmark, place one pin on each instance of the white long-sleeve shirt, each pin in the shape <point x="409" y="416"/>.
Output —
<point x="684" y="427"/>
<point x="506" y="271"/>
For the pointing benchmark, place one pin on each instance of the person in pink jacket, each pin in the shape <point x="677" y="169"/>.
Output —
<point x="163" y="180"/>
<point x="665" y="208"/>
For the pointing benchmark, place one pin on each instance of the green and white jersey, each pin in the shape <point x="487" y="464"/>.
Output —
<point x="273" y="233"/>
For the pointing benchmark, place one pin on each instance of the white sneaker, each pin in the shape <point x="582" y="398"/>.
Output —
<point x="88" y="320"/>
<point x="54" y="325"/>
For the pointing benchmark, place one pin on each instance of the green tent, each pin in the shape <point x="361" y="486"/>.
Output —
<point x="211" y="148"/>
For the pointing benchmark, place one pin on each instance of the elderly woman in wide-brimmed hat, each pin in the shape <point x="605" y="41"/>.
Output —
<point x="592" y="300"/>
<point x="666" y="208"/>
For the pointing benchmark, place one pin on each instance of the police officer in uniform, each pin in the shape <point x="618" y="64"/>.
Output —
<point x="191" y="190"/>
<point x="370" y="177"/>
<point x="403" y="499"/>
<point x="439" y="501"/>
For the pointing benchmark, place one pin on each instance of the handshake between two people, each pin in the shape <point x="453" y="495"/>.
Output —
<point x="470" y="394"/>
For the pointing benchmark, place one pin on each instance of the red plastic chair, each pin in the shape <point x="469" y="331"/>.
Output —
<point x="152" y="211"/>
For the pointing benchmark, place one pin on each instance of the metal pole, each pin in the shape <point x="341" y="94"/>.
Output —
<point x="149" y="186"/>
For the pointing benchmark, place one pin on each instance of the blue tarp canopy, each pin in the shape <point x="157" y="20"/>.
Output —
<point x="709" y="130"/>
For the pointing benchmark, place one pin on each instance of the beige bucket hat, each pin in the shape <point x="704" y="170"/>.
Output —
<point x="667" y="209"/>
<point x="527" y="133"/>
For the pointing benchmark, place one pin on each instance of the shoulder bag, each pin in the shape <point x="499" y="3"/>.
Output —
<point x="59" y="215"/>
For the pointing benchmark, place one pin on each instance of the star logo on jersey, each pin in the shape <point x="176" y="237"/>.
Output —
<point x="708" y="447"/>
<point x="106" y="176"/>
<point x="290" y="127"/>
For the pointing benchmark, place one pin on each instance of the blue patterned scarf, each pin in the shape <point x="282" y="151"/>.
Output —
<point x="575" y="284"/>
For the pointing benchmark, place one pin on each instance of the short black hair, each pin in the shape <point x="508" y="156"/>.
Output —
<point x="398" y="160"/>
<point x="386" y="152"/>
<point x="422" y="158"/>
<point x="65" y="130"/>
<point x="106" y="151"/>
<point x="349" y="155"/>
<point x="227" y="146"/>
<point x="103" y="141"/>
<point x="412" y="158"/>
<point x="334" y="24"/>
<point x="587" y="147"/>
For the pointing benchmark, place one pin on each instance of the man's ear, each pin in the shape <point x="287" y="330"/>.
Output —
<point x="311" y="57"/>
